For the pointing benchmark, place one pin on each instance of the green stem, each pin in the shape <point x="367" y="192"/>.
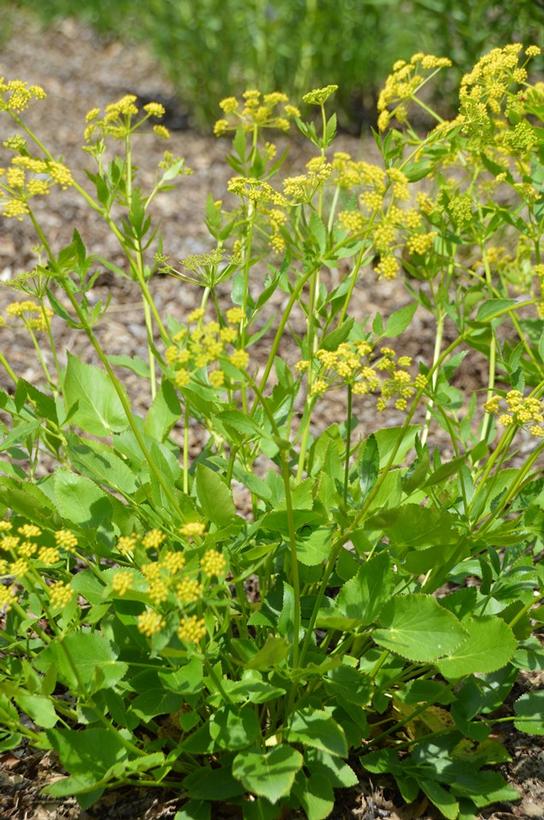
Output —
<point x="434" y="380"/>
<point x="7" y="367"/>
<point x="124" y="402"/>
<point x="186" y="448"/>
<point x="348" y="443"/>
<point x="295" y="294"/>
<point x="305" y="424"/>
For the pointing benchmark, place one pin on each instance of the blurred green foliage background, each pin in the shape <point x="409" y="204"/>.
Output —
<point x="210" y="49"/>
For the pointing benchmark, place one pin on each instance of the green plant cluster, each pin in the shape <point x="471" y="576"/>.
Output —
<point x="213" y="48"/>
<point x="295" y="606"/>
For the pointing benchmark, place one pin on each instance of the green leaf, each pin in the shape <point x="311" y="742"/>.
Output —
<point x="81" y="501"/>
<point x="316" y="728"/>
<point x="440" y="797"/>
<point x="163" y="413"/>
<point x="397" y="441"/>
<point x="529" y="709"/>
<point x="492" y="307"/>
<point x="415" y="527"/>
<point x="315" y="795"/>
<point x="489" y="645"/>
<point x="338" y="335"/>
<point x="72" y="786"/>
<point x="318" y="231"/>
<point x="87" y="751"/>
<point x="133" y="363"/>
<point x="194" y="810"/>
<point x="270" y="775"/>
<point x="271" y="654"/>
<point x="83" y="659"/>
<point x="99" y="410"/>
<point x="418" y="628"/>
<point x="241" y="423"/>
<point x="39" y="708"/>
<point x="369" y="467"/>
<point x="214" y="496"/>
<point x="338" y="773"/>
<point x="314" y="549"/>
<point x="205" y="783"/>
<point x="254" y="691"/>
<point x="349" y="684"/>
<point x="154" y="702"/>
<point x="399" y="320"/>
<point x="363" y="596"/>
<point x="234" y="728"/>
<point x="98" y="461"/>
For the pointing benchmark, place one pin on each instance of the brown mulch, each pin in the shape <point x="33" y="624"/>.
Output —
<point x="79" y="71"/>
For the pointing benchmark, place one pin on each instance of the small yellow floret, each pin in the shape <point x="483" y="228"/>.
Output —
<point x="66" y="539"/>
<point x="173" y="561"/>
<point x="217" y="378"/>
<point x="182" y="377"/>
<point x="213" y="563"/>
<point x="150" y="622"/>
<point x="193" y="529"/>
<point x="155" y="109"/>
<point x="49" y="555"/>
<point x="121" y="583"/>
<point x="60" y="594"/>
<point x="240" y="359"/>
<point x="126" y="544"/>
<point x="7" y="597"/>
<point x="235" y="315"/>
<point x="192" y="629"/>
<point x="153" y="539"/>
<point x="189" y="590"/>
<point x="29" y="530"/>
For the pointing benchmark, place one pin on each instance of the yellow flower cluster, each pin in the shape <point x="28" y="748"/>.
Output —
<point x="34" y="317"/>
<point x="205" y="345"/>
<point x="27" y="177"/>
<point x="213" y="563"/>
<point x="192" y="629"/>
<point x="490" y="107"/>
<point x="301" y="188"/>
<point x="319" y="96"/>
<point x="126" y="544"/>
<point x="150" y="622"/>
<point x="60" y="594"/>
<point x="29" y="530"/>
<point x="402" y="85"/>
<point x="519" y="411"/>
<point x="49" y="555"/>
<point x="118" y="121"/>
<point x="66" y="540"/>
<point x="420" y="243"/>
<point x="382" y="213"/>
<point x="121" y="582"/>
<point x="357" y="364"/>
<point x="22" y="550"/>
<point x="255" y="111"/>
<point x="168" y="581"/>
<point x="16" y="95"/>
<point x="8" y="597"/>
<point x="153" y="539"/>
<point x="189" y="590"/>
<point x="255" y="190"/>
<point x="193" y="529"/>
